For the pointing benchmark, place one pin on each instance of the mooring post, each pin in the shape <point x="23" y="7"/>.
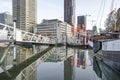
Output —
<point x="34" y="49"/>
<point x="14" y="49"/>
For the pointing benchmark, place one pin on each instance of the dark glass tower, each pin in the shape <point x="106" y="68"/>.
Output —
<point x="69" y="11"/>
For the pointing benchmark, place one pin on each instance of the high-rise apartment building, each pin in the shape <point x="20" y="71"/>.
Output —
<point x="81" y="20"/>
<point x="25" y="14"/>
<point x="69" y="11"/>
<point x="6" y="18"/>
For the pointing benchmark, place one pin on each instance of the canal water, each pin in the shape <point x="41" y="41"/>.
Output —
<point x="62" y="63"/>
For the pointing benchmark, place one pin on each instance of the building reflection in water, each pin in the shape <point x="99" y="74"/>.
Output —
<point x="7" y="62"/>
<point x="60" y="54"/>
<point x="68" y="68"/>
<point x="81" y="59"/>
<point x="22" y="53"/>
<point x="30" y="72"/>
<point x="63" y="61"/>
<point x="77" y="63"/>
<point x="73" y="64"/>
<point x="70" y="64"/>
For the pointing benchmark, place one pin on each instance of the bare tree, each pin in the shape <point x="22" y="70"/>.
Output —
<point x="112" y="23"/>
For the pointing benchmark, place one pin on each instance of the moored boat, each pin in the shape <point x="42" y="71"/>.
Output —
<point x="109" y="50"/>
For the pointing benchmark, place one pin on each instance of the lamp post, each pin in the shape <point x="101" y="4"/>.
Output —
<point x="86" y="25"/>
<point x="86" y="18"/>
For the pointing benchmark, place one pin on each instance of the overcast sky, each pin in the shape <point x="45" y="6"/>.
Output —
<point x="54" y="9"/>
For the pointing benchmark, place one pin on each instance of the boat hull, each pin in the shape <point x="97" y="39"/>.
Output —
<point x="112" y="58"/>
<point x="104" y="71"/>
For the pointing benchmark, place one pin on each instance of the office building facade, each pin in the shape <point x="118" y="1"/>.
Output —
<point x="81" y="20"/>
<point x="6" y="18"/>
<point x="55" y="29"/>
<point x="25" y="14"/>
<point x="81" y="25"/>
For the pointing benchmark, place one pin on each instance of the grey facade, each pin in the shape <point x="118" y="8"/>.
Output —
<point x="25" y="14"/>
<point x="6" y="18"/>
<point x="69" y="11"/>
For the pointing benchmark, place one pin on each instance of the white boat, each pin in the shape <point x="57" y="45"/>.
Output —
<point x="109" y="50"/>
<point x="109" y="42"/>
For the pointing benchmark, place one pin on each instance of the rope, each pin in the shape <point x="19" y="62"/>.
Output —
<point x="112" y="4"/>
<point x="99" y="11"/>
<point x="102" y="12"/>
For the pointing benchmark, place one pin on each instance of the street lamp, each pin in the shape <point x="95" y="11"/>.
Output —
<point x="86" y="18"/>
<point x="86" y="27"/>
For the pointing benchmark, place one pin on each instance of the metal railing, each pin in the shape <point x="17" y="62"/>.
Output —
<point x="7" y="33"/>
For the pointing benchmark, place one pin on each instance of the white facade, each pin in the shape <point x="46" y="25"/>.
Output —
<point x="56" y="30"/>
<point x="111" y="45"/>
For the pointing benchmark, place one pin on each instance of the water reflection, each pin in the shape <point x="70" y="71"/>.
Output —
<point x="81" y="60"/>
<point x="75" y="65"/>
<point x="22" y="53"/>
<point x="83" y="68"/>
<point x="69" y="68"/>
<point x="29" y="73"/>
<point x="8" y="60"/>
<point x="62" y="64"/>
